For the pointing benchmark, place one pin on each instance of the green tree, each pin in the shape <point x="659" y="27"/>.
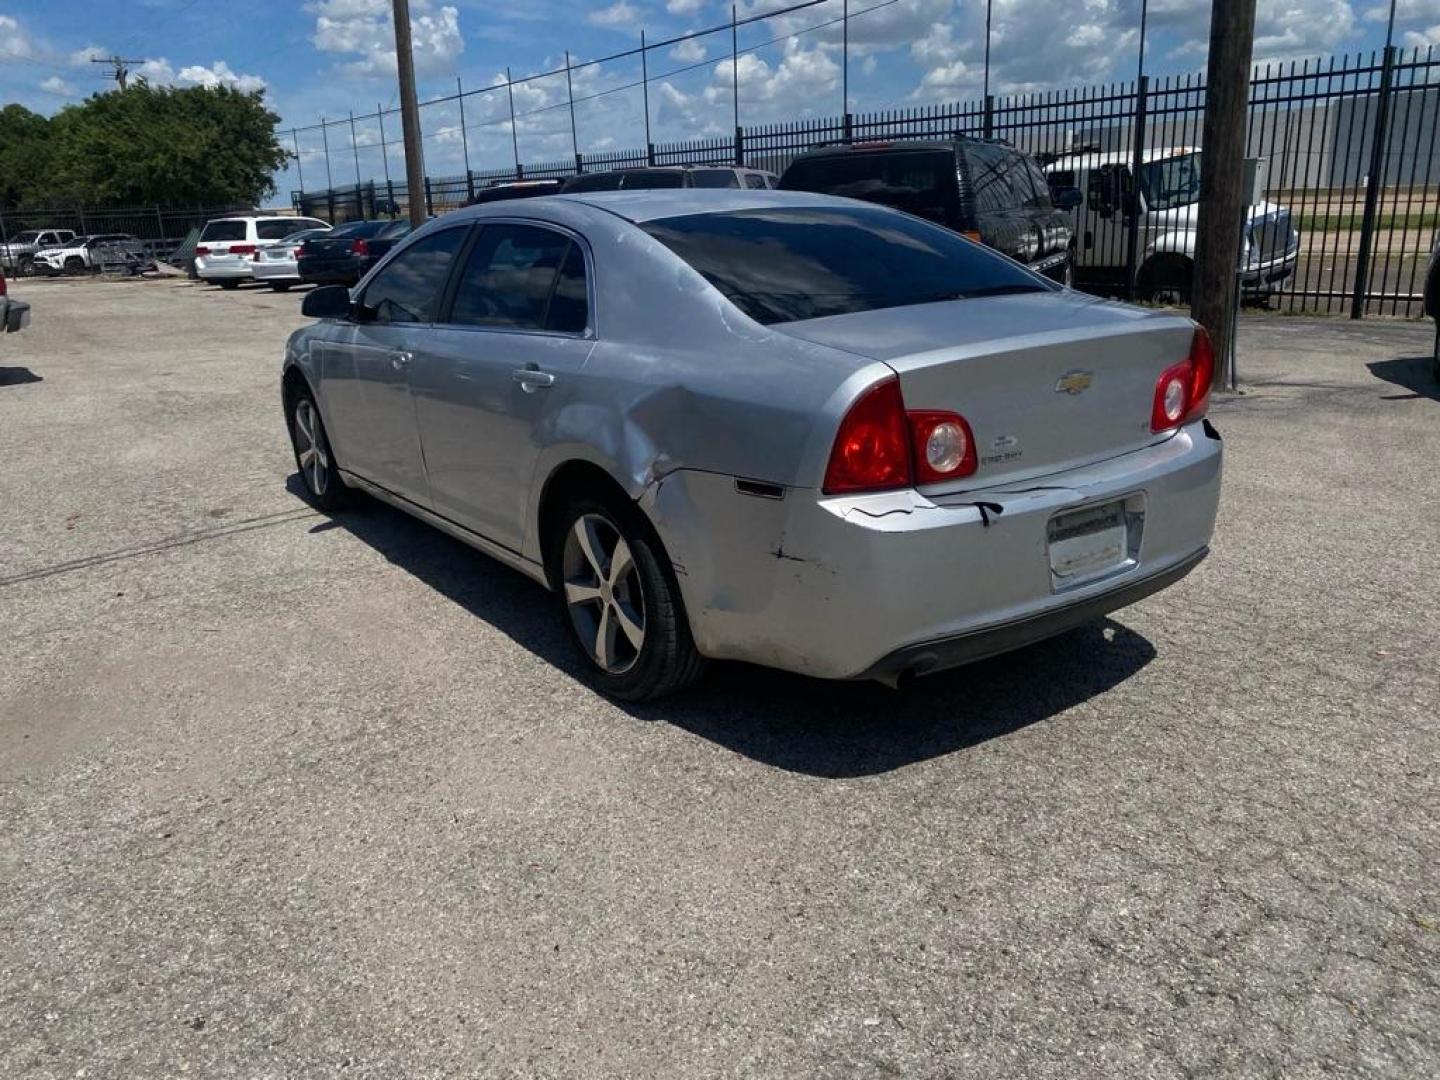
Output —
<point x="148" y="144"/>
<point x="24" y="153"/>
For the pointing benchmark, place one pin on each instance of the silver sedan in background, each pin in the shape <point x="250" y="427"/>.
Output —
<point x="278" y="265"/>
<point x="788" y="429"/>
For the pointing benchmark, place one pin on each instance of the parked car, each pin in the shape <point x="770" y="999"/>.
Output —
<point x="278" y="265"/>
<point x="987" y="190"/>
<point x="225" y="254"/>
<point x="1166" y="204"/>
<point x="514" y="189"/>
<point x="19" y="253"/>
<point x="114" y="250"/>
<point x="345" y="254"/>
<point x="775" y="427"/>
<point x="14" y="315"/>
<point x="671" y="176"/>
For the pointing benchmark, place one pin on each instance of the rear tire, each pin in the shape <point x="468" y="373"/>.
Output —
<point x="281" y="286"/>
<point x="620" y="603"/>
<point x="1166" y="279"/>
<point x="313" y="456"/>
<point x="228" y="283"/>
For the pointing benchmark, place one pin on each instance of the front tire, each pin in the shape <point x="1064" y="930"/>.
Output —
<point x="621" y="604"/>
<point x="281" y="286"/>
<point x="313" y="456"/>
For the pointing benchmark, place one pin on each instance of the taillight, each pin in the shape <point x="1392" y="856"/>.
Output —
<point x="1182" y="393"/>
<point x="300" y="252"/>
<point x="359" y="247"/>
<point x="880" y="446"/>
<point x="2" y="283"/>
<point x="202" y="250"/>
<point x="242" y="249"/>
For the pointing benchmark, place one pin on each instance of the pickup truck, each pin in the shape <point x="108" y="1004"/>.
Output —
<point x="13" y="314"/>
<point x="19" y="252"/>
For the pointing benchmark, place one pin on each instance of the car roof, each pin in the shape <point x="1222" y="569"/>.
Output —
<point x="650" y="204"/>
<point x="1117" y="157"/>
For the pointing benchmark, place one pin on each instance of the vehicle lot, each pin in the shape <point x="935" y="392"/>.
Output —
<point x="287" y="795"/>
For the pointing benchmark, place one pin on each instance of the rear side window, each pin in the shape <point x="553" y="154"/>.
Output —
<point x="274" y="228"/>
<point x="755" y="181"/>
<point x="714" y="178"/>
<point x="1038" y="183"/>
<point x="224" y="230"/>
<point x="607" y="181"/>
<point x="661" y="178"/>
<point x="783" y="265"/>
<point x="918" y="182"/>
<point x="408" y="288"/>
<point x="999" y="179"/>
<point x="525" y="278"/>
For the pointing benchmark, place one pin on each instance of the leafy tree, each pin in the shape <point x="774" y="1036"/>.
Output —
<point x="143" y="145"/>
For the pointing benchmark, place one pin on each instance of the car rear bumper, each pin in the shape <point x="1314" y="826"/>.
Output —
<point x="1268" y="277"/>
<point x="879" y="586"/>
<point x="14" y="315"/>
<point x="276" y="271"/>
<point x="345" y="271"/>
<point x="210" y="271"/>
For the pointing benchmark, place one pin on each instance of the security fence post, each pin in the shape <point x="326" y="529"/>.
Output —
<point x="429" y="200"/>
<point x="989" y="129"/>
<point x="1132" y="211"/>
<point x="739" y="145"/>
<point x="1372" y="186"/>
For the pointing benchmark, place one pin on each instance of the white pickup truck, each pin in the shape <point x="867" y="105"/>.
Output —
<point x="13" y="314"/>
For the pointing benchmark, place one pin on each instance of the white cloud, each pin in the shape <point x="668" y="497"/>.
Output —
<point x="59" y="87"/>
<point x="621" y="15"/>
<point x="81" y="57"/>
<point x="219" y="74"/>
<point x="689" y="51"/>
<point x="14" y="44"/>
<point x="362" y="29"/>
<point x="683" y="7"/>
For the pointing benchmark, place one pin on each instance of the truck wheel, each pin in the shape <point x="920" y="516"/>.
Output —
<point x="74" y="264"/>
<point x="1166" y="279"/>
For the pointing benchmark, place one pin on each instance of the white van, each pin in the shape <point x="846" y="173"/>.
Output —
<point x="1167" y="202"/>
<point x="225" y="254"/>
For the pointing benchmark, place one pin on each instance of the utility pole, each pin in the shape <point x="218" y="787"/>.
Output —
<point x="120" y="68"/>
<point x="1222" y="180"/>
<point x="410" y="115"/>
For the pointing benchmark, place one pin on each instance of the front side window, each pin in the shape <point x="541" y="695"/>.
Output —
<point x="1171" y="183"/>
<point x="522" y="277"/>
<point x="408" y="289"/>
<point x="784" y="265"/>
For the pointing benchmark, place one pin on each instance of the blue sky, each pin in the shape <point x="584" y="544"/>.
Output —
<point x="319" y="58"/>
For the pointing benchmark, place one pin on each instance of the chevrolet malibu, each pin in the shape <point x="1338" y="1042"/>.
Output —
<point x="789" y="429"/>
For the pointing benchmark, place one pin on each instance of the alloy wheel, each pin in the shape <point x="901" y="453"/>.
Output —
<point x="603" y="594"/>
<point x="310" y="447"/>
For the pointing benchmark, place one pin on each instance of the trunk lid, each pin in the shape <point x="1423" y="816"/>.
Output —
<point x="1048" y="381"/>
<point x="330" y="247"/>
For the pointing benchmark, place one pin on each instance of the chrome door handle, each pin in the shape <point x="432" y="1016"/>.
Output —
<point x="531" y="380"/>
<point x="400" y="360"/>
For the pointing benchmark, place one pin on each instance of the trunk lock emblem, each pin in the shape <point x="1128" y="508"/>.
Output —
<point x="1074" y="382"/>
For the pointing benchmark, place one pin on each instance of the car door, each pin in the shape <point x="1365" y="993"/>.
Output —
<point x="368" y="362"/>
<point x="516" y="334"/>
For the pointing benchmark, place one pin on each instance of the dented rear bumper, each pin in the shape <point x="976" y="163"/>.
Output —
<point x="880" y="586"/>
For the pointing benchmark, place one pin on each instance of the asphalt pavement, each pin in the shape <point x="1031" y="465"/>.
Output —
<point x="286" y="795"/>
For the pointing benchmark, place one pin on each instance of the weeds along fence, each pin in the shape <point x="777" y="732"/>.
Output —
<point x="162" y="231"/>
<point x="1348" y="146"/>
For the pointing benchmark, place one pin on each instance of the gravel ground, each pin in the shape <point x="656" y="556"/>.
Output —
<point x="287" y="796"/>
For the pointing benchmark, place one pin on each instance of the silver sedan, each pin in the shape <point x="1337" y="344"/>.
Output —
<point x="787" y="429"/>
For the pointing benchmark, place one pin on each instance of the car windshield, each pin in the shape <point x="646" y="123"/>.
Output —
<point x="224" y="230"/>
<point x="302" y="235"/>
<point x="1172" y="182"/>
<point x="919" y="182"/>
<point x="793" y="263"/>
<point x="365" y="229"/>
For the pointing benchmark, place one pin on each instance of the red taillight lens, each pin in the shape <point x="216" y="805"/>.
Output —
<point x="359" y="247"/>
<point x="202" y="250"/>
<point x="944" y="446"/>
<point x="1182" y="393"/>
<point x="872" y="447"/>
<point x="242" y="249"/>
<point x="880" y="446"/>
<point x="300" y="252"/>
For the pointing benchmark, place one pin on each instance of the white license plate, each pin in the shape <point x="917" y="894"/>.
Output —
<point x="1088" y="544"/>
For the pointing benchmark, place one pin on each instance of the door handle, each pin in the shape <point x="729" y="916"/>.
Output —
<point x="401" y="360"/>
<point x="531" y="380"/>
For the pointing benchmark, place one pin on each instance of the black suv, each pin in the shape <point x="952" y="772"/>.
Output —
<point x="985" y="189"/>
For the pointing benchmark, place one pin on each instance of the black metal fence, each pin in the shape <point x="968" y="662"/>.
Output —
<point x="1347" y="145"/>
<point x="160" y="230"/>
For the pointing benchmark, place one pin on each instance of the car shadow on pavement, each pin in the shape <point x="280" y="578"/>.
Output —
<point x="1413" y="373"/>
<point x="17" y="376"/>
<point x="807" y="726"/>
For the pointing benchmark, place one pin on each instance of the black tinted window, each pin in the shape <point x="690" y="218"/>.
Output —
<point x="714" y="178"/>
<point x="641" y="179"/>
<point x="788" y="264"/>
<point x="998" y="179"/>
<point x="224" y="230"/>
<point x="606" y="181"/>
<point x="570" y="306"/>
<point x="408" y="289"/>
<point x="918" y="182"/>
<point x="1038" y="184"/>
<point x="755" y="181"/>
<point x="363" y="229"/>
<point x="275" y="228"/>
<point x="510" y="278"/>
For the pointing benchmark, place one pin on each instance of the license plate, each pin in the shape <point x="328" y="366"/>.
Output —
<point x="1090" y="543"/>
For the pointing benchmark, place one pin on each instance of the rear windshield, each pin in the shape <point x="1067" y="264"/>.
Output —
<point x="224" y="230"/>
<point x="660" y="178"/>
<point x="276" y="228"/>
<point x="364" y="229"/>
<point x="920" y="182"/>
<point x="607" y="181"/>
<point x="394" y="229"/>
<point x="711" y="178"/>
<point x="795" y="263"/>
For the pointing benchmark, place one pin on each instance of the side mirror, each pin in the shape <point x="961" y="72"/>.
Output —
<point x="326" y="302"/>
<point x="1067" y="198"/>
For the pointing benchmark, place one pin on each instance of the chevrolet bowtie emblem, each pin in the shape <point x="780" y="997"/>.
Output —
<point x="1074" y="382"/>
